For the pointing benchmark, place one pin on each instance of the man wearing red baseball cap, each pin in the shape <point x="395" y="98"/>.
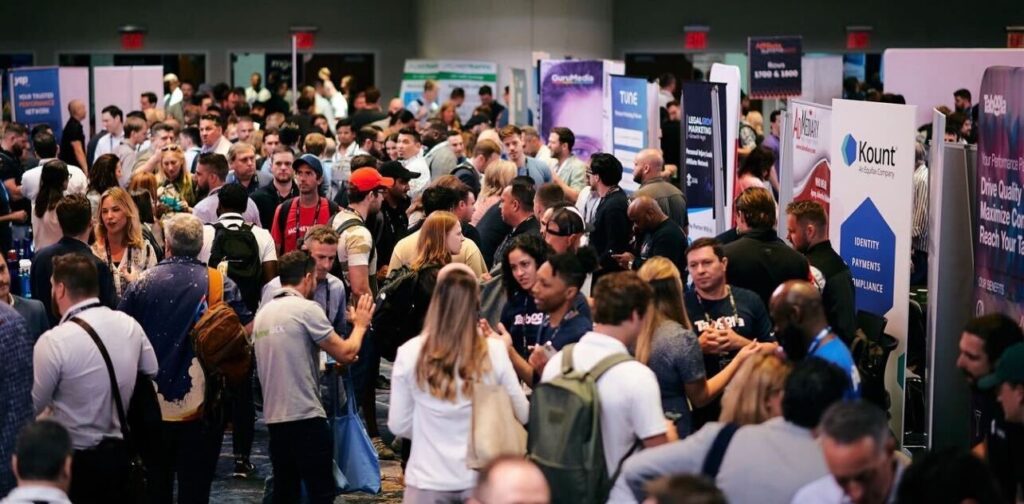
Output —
<point x="358" y="261"/>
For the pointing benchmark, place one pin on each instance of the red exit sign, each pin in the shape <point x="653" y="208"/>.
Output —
<point x="695" y="38"/>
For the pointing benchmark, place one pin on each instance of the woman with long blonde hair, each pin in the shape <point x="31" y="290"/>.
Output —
<point x="119" y="240"/>
<point x="755" y="393"/>
<point x="431" y="390"/>
<point x="176" y="192"/>
<point x="671" y="349"/>
<point x="497" y="176"/>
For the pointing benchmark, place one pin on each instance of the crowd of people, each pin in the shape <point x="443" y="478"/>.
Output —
<point x="230" y="257"/>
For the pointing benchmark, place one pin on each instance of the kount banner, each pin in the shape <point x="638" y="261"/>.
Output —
<point x="811" y="157"/>
<point x="704" y="134"/>
<point x="775" y="66"/>
<point x="870" y="214"/>
<point x="999" y="251"/>
<point x="36" y="97"/>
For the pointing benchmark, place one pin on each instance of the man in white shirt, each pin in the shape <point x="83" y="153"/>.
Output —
<point x="113" y="123"/>
<point x="47" y="149"/>
<point x="256" y="92"/>
<point x="410" y="153"/>
<point x="174" y="93"/>
<point x="629" y="395"/>
<point x="232" y="201"/>
<point x="211" y="175"/>
<point x="425" y="106"/>
<point x="42" y="464"/>
<point x="211" y="133"/>
<point x="535" y="147"/>
<point x="72" y="383"/>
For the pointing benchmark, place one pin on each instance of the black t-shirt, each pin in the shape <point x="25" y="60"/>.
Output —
<point x="73" y="132"/>
<point x="522" y="320"/>
<point x="10" y="168"/>
<point x="492" y="231"/>
<point x="668" y="241"/>
<point x="5" y="227"/>
<point x="394" y="227"/>
<point x="1005" y="442"/>
<point x="750" y="319"/>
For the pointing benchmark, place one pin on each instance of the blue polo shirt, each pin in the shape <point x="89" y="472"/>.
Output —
<point x="835" y="352"/>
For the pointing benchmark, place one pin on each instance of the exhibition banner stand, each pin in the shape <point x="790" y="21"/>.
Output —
<point x="450" y="74"/>
<point x="805" y="171"/>
<point x="518" y="109"/>
<point x="870" y="218"/>
<point x="123" y="86"/>
<point x="999" y="248"/>
<point x="635" y="125"/>
<point x="576" y="94"/>
<point x="704" y="152"/>
<point x="730" y="76"/>
<point x="775" y="66"/>
<point x="40" y="95"/>
<point x="950" y="289"/>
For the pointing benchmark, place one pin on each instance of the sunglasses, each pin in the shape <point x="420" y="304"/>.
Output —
<point x="557" y="233"/>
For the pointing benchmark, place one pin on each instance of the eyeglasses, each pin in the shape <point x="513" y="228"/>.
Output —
<point x="557" y="233"/>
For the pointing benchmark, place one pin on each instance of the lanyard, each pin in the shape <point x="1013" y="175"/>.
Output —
<point x="732" y="301"/>
<point x="817" y="340"/>
<point x="110" y="261"/>
<point x="80" y="309"/>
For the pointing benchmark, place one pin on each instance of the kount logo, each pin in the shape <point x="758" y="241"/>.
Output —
<point x="854" y="151"/>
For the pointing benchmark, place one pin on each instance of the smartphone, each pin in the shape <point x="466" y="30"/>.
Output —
<point x="549" y="350"/>
<point x="673" y="417"/>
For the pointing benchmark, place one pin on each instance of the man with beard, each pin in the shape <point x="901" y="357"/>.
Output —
<point x="393" y="212"/>
<point x="982" y="344"/>
<point x="647" y="171"/>
<point x="512" y="138"/>
<point x="807" y="227"/>
<point x="803" y="330"/>
<point x="726" y="318"/>
<point x="211" y="175"/>
<point x="657" y="235"/>
<point x="568" y="171"/>
<point x="440" y="156"/>
<point x="295" y="215"/>
<point x="15" y="208"/>
<point x="281" y="188"/>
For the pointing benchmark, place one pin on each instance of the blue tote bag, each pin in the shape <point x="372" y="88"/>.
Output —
<point x="353" y="451"/>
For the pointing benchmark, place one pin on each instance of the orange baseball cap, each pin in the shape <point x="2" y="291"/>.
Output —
<point x="368" y="179"/>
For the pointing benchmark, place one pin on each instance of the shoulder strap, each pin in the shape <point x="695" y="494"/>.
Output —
<point x="567" y="358"/>
<point x="115" y="390"/>
<point x="607" y="363"/>
<point x="713" y="460"/>
<point x="216" y="287"/>
<point x="282" y="216"/>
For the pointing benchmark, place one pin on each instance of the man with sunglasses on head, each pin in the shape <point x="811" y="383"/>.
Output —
<point x="161" y="140"/>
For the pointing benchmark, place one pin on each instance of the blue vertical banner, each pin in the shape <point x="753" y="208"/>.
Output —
<point x="630" y="116"/>
<point x="35" y="96"/>
<point x="775" y="66"/>
<point x="704" y="133"/>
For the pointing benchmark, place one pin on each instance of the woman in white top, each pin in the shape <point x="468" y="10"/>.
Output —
<point x="431" y="391"/>
<point x="119" y="240"/>
<point x="52" y="182"/>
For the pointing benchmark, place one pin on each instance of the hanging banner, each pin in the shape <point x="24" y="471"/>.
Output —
<point x="730" y="75"/>
<point x="870" y="217"/>
<point x="999" y="249"/>
<point x="775" y="66"/>
<point x="517" y="106"/>
<point x="450" y="74"/>
<point x="572" y="96"/>
<point x="704" y="149"/>
<point x="630" y="122"/>
<point x="36" y="97"/>
<point x="810" y="152"/>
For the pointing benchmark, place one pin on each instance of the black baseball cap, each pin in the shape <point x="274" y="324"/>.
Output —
<point x="395" y="170"/>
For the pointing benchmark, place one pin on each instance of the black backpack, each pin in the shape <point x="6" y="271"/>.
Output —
<point x="401" y="307"/>
<point x="238" y="246"/>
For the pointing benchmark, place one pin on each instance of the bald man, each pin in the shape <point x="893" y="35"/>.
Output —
<point x="511" y="480"/>
<point x="657" y="235"/>
<point x="647" y="172"/>
<point x="72" y="142"/>
<point x="802" y="328"/>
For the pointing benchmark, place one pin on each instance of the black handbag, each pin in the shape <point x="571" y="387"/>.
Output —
<point x="135" y="490"/>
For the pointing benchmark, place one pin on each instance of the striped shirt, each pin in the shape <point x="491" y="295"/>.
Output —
<point x="919" y="222"/>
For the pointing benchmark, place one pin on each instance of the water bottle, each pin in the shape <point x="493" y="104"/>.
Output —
<point x="25" y="270"/>
<point x="12" y="271"/>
